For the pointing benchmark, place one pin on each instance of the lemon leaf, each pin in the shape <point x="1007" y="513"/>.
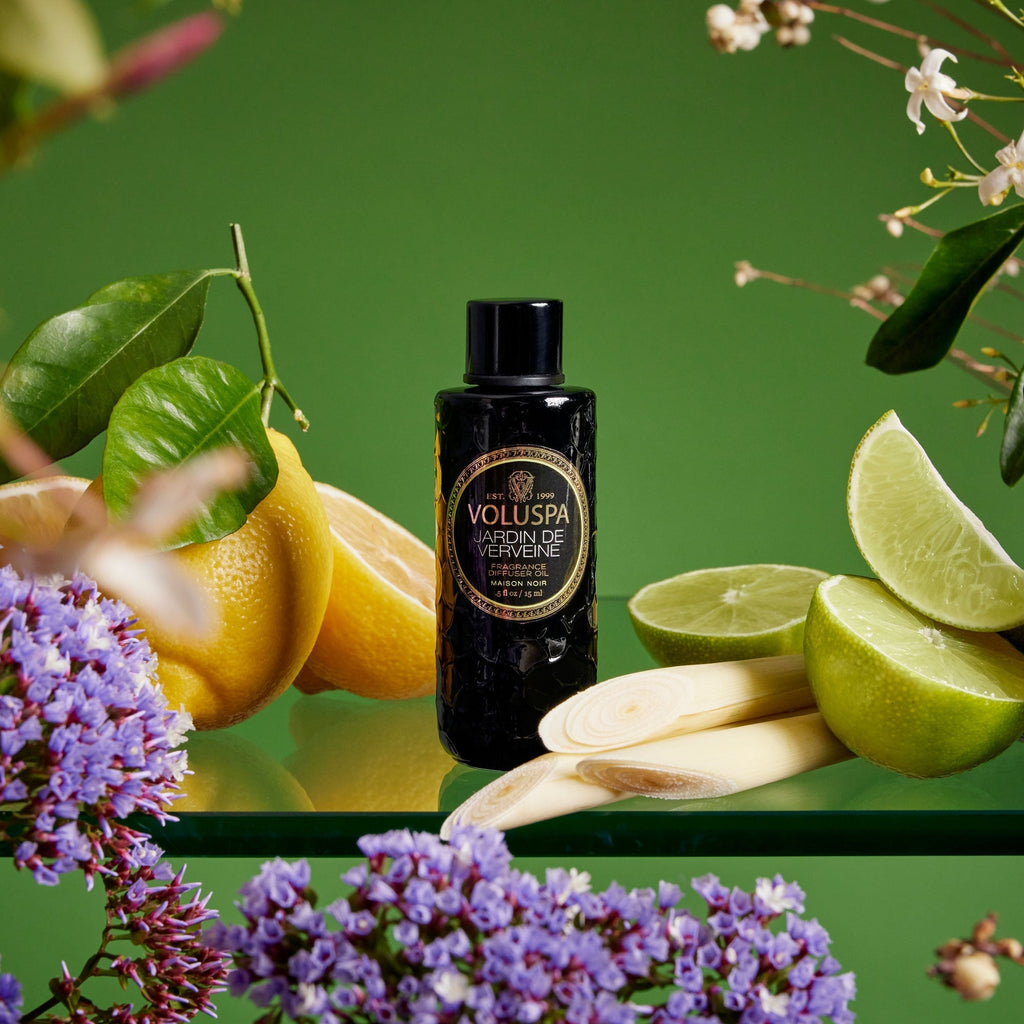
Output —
<point x="61" y="384"/>
<point x="920" y="332"/>
<point x="174" y="412"/>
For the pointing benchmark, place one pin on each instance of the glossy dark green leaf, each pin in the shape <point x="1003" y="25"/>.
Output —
<point x="63" y="381"/>
<point x="919" y="333"/>
<point x="1011" y="453"/>
<point x="173" y="412"/>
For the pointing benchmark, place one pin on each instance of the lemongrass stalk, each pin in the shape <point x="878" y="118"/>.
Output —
<point x="543" y="788"/>
<point x="661" y="702"/>
<point x="717" y="762"/>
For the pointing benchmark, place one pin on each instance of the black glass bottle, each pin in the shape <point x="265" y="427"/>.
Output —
<point x="517" y="599"/>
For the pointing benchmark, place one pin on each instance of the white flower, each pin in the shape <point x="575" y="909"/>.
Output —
<point x="451" y="986"/>
<point x="1009" y="174"/>
<point x="776" y="896"/>
<point x="930" y="86"/>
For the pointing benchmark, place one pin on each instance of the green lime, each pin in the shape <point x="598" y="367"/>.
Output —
<point x="902" y="690"/>
<point x="724" y="614"/>
<point x="922" y="542"/>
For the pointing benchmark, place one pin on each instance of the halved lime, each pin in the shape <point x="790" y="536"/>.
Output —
<point x="724" y="614"/>
<point x="904" y="691"/>
<point x="922" y="542"/>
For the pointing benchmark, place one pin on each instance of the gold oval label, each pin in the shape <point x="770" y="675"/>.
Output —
<point x="517" y="532"/>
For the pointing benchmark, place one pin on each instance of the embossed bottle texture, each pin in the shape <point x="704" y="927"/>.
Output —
<point x="516" y="602"/>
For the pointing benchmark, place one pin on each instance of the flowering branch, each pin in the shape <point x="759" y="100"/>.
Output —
<point x="918" y="330"/>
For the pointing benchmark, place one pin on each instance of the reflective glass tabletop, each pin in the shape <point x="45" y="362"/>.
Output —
<point x="309" y="775"/>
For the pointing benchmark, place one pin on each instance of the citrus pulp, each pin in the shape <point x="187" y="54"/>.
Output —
<point x="377" y="634"/>
<point x="724" y="614"/>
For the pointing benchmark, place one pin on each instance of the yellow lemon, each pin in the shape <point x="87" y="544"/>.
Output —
<point x="35" y="511"/>
<point x="268" y="582"/>
<point x="377" y="635"/>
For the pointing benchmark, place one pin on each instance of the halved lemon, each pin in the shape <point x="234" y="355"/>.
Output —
<point x="377" y="635"/>
<point x="35" y="511"/>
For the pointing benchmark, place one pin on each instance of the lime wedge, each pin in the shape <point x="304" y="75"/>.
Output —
<point x="904" y="691"/>
<point x="922" y="542"/>
<point x="724" y="614"/>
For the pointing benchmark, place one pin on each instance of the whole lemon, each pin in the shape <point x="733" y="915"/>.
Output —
<point x="268" y="582"/>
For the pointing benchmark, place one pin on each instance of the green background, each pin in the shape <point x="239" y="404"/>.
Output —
<point x="390" y="160"/>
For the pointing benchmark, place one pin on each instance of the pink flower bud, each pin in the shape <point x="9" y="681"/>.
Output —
<point x="159" y="54"/>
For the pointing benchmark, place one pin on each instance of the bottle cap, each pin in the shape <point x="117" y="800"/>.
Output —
<point x="514" y="342"/>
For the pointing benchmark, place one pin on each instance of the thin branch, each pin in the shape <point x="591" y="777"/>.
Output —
<point x="905" y="33"/>
<point x="973" y="30"/>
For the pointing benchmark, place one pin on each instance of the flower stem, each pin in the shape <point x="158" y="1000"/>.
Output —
<point x="1001" y="8"/>
<point x="951" y="128"/>
<point x="271" y="383"/>
<point x="64" y="998"/>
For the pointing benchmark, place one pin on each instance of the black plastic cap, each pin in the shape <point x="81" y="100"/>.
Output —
<point x="514" y="342"/>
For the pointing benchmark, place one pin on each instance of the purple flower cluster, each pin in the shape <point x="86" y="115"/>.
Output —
<point x="86" y="737"/>
<point x="437" y="933"/>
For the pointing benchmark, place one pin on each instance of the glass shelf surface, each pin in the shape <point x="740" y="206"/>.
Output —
<point x="309" y="775"/>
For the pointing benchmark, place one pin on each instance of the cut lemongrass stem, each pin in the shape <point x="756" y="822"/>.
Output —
<point x="661" y="702"/>
<point x="717" y="762"/>
<point x="546" y="787"/>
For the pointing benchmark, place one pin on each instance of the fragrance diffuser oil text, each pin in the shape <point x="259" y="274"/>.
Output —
<point x="516" y="602"/>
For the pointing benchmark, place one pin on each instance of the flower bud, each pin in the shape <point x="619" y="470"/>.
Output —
<point x="1011" y="948"/>
<point x="162" y="52"/>
<point x="975" y="975"/>
<point x="720" y="17"/>
<point x="745" y="273"/>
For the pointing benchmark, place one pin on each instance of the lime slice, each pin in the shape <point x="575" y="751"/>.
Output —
<point x="724" y="614"/>
<point x="922" y="542"/>
<point x="902" y="690"/>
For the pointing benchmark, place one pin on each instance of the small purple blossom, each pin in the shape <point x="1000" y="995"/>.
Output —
<point x="10" y="999"/>
<point x="453" y="934"/>
<point x="86" y="737"/>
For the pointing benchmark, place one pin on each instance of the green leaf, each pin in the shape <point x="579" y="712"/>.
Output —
<point x="919" y="333"/>
<point x="63" y="381"/>
<point x="1011" y="452"/>
<point x="179" y="410"/>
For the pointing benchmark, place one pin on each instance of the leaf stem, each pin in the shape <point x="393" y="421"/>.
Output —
<point x="271" y="383"/>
